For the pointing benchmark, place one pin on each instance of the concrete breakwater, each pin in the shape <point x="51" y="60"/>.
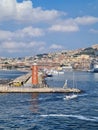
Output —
<point x="21" y="79"/>
<point x="8" y="89"/>
<point x="23" y="84"/>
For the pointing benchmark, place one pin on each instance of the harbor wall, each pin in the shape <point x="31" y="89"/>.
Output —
<point x="8" y="89"/>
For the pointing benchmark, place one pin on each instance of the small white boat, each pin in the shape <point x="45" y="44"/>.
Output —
<point x="95" y="68"/>
<point x="57" y="72"/>
<point x="49" y="75"/>
<point x="71" y="96"/>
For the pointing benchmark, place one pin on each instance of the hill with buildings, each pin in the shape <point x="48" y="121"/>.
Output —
<point x="78" y="59"/>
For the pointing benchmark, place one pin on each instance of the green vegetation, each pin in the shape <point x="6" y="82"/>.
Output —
<point x="88" y="51"/>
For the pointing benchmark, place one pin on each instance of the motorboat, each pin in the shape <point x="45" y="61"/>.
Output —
<point x="71" y="96"/>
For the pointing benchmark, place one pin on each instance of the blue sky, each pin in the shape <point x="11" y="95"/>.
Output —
<point x="30" y="27"/>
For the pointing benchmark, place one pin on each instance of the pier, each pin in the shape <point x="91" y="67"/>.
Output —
<point x="8" y="89"/>
<point x="33" y="83"/>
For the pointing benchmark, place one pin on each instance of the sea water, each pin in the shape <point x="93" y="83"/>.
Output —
<point x="52" y="111"/>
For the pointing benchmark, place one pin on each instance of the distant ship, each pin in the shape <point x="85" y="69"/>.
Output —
<point x="67" y="67"/>
<point x="94" y="68"/>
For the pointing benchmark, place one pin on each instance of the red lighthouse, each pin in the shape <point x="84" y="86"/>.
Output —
<point x="34" y="74"/>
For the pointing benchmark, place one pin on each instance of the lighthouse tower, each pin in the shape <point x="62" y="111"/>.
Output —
<point x="35" y="74"/>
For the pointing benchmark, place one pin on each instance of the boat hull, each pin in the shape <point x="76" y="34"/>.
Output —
<point x="95" y="68"/>
<point x="71" y="96"/>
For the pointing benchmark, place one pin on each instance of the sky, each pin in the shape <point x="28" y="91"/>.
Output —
<point x="30" y="27"/>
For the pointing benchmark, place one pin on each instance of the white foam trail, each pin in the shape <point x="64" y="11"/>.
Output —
<point x="83" y="95"/>
<point x="80" y="117"/>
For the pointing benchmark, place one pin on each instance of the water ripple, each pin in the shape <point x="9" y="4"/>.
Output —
<point x="81" y="117"/>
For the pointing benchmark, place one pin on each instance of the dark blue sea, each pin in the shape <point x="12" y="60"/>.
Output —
<point x="34" y="111"/>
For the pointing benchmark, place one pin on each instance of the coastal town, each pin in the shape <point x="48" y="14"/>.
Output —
<point x="80" y="59"/>
<point x="49" y="64"/>
<point x="46" y="65"/>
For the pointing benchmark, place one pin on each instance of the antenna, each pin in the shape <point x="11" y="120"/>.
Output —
<point x="73" y="79"/>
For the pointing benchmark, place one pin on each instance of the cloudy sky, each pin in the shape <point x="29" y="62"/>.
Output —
<point x="30" y="27"/>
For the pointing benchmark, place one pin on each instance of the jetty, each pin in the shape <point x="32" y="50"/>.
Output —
<point x="33" y="83"/>
<point x="16" y="86"/>
<point x="22" y="89"/>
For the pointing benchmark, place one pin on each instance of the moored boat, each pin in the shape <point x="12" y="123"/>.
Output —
<point x="94" y="68"/>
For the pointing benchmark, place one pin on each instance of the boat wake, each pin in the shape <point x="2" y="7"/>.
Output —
<point x="80" y="117"/>
<point x="74" y="96"/>
<point x="71" y="97"/>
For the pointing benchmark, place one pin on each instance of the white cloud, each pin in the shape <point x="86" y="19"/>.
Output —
<point x="7" y="9"/>
<point x="25" y="12"/>
<point x="45" y="15"/>
<point x="67" y="25"/>
<point x="16" y="41"/>
<point x="29" y="32"/>
<point x="56" y="46"/>
<point x="5" y="34"/>
<point x="28" y="37"/>
<point x="36" y="44"/>
<point x="86" y="20"/>
<point x="93" y="30"/>
<point x="31" y="47"/>
<point x="24" y="33"/>
<point x="13" y="47"/>
<point x="42" y="49"/>
<point x="64" y="28"/>
<point x="72" y="24"/>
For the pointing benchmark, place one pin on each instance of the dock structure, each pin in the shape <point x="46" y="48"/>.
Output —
<point x="8" y="89"/>
<point x="20" y="79"/>
<point x="33" y="83"/>
<point x="27" y="87"/>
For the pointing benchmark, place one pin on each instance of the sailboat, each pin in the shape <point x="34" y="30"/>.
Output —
<point x="73" y="95"/>
<point x="65" y="84"/>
